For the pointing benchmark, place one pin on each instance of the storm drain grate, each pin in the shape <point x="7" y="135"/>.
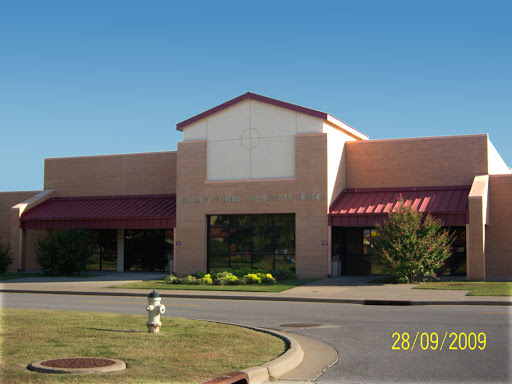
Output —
<point x="300" y="325"/>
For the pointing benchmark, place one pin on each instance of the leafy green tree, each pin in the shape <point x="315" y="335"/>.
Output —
<point x="64" y="252"/>
<point x="410" y="245"/>
<point x="5" y="258"/>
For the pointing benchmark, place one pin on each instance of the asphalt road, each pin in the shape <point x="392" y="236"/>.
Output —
<point x="362" y="335"/>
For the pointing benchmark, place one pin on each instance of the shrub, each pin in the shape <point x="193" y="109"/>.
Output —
<point x="283" y="274"/>
<point x="64" y="252"/>
<point x="257" y="278"/>
<point x="411" y="246"/>
<point x="267" y="278"/>
<point x="190" y="280"/>
<point x="5" y="258"/>
<point x="223" y="278"/>
<point x="241" y="272"/>
<point x="251" y="278"/>
<point x="226" y="278"/>
<point x="172" y="279"/>
<point x="207" y="279"/>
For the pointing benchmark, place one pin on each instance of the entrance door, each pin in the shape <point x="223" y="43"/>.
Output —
<point x="354" y="252"/>
<point x="105" y="256"/>
<point x="148" y="249"/>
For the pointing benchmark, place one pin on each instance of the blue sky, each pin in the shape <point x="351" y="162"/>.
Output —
<point x="103" y="77"/>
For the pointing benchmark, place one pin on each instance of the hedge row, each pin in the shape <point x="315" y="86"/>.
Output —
<point x="243" y="276"/>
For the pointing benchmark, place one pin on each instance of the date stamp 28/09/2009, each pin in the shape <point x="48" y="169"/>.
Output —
<point x="433" y="341"/>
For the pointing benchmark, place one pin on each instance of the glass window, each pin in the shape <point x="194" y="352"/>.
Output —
<point x="282" y="261"/>
<point x="169" y="244"/>
<point x="455" y="265"/>
<point x="260" y="241"/>
<point x="263" y="220"/>
<point x="240" y="261"/>
<point x="240" y="240"/>
<point x="240" y="220"/>
<point x="221" y="261"/>
<point x="263" y="240"/>
<point x="105" y="256"/>
<point x="219" y="241"/>
<point x="147" y="249"/>
<point x="285" y="240"/>
<point x="353" y="246"/>
<point x="263" y="261"/>
<point x="219" y="220"/>
<point x="286" y="220"/>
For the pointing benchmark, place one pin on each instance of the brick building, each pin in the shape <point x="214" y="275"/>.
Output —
<point x="260" y="182"/>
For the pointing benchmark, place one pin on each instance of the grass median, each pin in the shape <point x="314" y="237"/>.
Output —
<point x="476" y="288"/>
<point x="185" y="351"/>
<point x="161" y="285"/>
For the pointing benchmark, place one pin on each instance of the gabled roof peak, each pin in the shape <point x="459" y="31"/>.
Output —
<point x="268" y="100"/>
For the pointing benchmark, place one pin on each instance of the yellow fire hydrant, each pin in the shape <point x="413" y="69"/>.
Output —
<point x="155" y="309"/>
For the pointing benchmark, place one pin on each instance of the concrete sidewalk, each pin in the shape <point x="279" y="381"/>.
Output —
<point x="347" y="289"/>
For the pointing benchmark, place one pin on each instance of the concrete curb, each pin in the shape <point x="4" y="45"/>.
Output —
<point x="277" y="367"/>
<point x="39" y="367"/>
<point x="269" y="298"/>
<point x="273" y="369"/>
<point x="231" y="378"/>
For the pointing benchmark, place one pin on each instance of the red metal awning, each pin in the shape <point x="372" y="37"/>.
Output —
<point x="365" y="207"/>
<point x="103" y="212"/>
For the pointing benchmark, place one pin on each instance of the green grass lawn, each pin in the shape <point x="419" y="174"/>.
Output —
<point x="185" y="351"/>
<point x="21" y="275"/>
<point x="160" y="285"/>
<point x="476" y="288"/>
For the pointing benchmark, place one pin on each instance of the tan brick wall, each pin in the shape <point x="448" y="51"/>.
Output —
<point x="498" y="239"/>
<point x="415" y="162"/>
<point x="311" y="215"/>
<point x="130" y="174"/>
<point x="190" y="256"/>
<point x="7" y="201"/>
<point x="17" y="236"/>
<point x="29" y="249"/>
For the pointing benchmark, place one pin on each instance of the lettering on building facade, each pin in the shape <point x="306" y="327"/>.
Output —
<point x="251" y="198"/>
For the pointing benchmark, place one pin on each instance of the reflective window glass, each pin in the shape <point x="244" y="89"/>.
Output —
<point x="147" y="249"/>
<point x="285" y="240"/>
<point x="240" y="261"/>
<point x="240" y="240"/>
<point x="263" y="261"/>
<point x="218" y="241"/>
<point x="282" y="261"/>
<point x="285" y="220"/>
<point x="240" y="220"/>
<point x="263" y="220"/>
<point x="251" y="241"/>
<point x="263" y="240"/>
<point x="219" y="220"/>
<point x="221" y="261"/>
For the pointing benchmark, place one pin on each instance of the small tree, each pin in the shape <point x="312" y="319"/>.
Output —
<point x="410" y="245"/>
<point x="64" y="252"/>
<point x="5" y="258"/>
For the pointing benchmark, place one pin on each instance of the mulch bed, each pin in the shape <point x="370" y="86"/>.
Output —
<point x="78" y="362"/>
